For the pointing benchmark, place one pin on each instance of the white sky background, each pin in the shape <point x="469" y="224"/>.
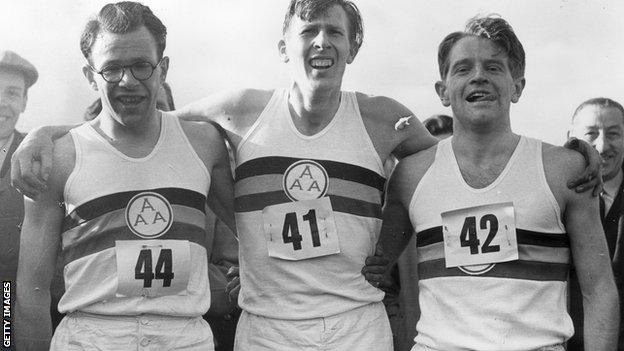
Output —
<point x="574" y="52"/>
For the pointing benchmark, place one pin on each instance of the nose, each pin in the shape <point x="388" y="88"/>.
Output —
<point x="479" y="75"/>
<point x="321" y="41"/>
<point x="127" y="78"/>
<point x="601" y="143"/>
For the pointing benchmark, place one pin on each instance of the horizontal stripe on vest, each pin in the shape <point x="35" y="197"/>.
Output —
<point x="339" y="170"/>
<point x="97" y="207"/>
<point x="526" y="237"/>
<point x="340" y="187"/>
<point x="106" y="239"/>
<point x="257" y="202"/>
<point x="117" y="219"/>
<point x="540" y="271"/>
<point x="525" y="253"/>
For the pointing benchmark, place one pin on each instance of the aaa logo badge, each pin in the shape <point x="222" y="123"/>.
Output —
<point x="149" y="215"/>
<point x="305" y="180"/>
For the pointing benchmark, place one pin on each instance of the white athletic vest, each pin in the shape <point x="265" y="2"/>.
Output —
<point x="277" y="165"/>
<point x="133" y="237"/>
<point x="515" y="305"/>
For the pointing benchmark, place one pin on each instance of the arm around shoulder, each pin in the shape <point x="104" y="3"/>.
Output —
<point x="397" y="229"/>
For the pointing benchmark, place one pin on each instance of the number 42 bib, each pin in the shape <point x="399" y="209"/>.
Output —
<point x="480" y="235"/>
<point x="301" y="229"/>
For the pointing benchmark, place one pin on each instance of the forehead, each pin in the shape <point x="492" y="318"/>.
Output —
<point x="599" y="117"/>
<point x="126" y="47"/>
<point x="12" y="79"/>
<point x="476" y="48"/>
<point x="335" y="15"/>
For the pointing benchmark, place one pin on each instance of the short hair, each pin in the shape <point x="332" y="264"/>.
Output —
<point x="491" y="27"/>
<point x="439" y="124"/>
<point x="311" y="9"/>
<point x="120" y="18"/>
<point x="601" y="102"/>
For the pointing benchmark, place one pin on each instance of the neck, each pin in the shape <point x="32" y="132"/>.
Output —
<point x="312" y="110"/>
<point x="145" y="129"/>
<point x="484" y="147"/>
<point x="615" y="181"/>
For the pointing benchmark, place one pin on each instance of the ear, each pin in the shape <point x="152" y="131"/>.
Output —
<point x="519" y="84"/>
<point x="353" y="51"/>
<point x="281" y="47"/>
<point x="440" y="88"/>
<point x="88" y="73"/>
<point x="164" y="68"/>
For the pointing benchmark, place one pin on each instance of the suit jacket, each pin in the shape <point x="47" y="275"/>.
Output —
<point x="11" y="216"/>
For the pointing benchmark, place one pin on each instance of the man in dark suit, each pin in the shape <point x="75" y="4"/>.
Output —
<point x="16" y="76"/>
<point x="600" y="122"/>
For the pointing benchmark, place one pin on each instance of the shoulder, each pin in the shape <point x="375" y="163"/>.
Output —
<point x="381" y="108"/>
<point x="202" y="136"/>
<point x="561" y="162"/>
<point x="560" y="166"/>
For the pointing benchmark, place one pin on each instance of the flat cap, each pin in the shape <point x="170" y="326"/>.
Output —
<point x="12" y="61"/>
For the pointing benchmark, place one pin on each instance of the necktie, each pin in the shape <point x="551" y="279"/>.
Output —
<point x="602" y="207"/>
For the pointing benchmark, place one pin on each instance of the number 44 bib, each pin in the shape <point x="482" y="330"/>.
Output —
<point x="480" y="235"/>
<point x="152" y="268"/>
<point x="301" y="229"/>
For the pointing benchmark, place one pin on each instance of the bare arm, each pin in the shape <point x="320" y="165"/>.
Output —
<point x="396" y="228"/>
<point x="589" y="252"/>
<point x="39" y="243"/>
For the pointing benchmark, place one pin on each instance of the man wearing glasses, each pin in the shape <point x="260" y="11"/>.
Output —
<point x="125" y="202"/>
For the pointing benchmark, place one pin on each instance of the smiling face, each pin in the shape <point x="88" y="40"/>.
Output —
<point x="129" y="101"/>
<point x="603" y="128"/>
<point x="479" y="86"/>
<point x="12" y="100"/>
<point x="317" y="51"/>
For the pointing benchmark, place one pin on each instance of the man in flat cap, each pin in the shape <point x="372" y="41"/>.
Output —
<point x="16" y="76"/>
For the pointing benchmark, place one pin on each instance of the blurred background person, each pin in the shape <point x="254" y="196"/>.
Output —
<point x="600" y="122"/>
<point x="17" y="75"/>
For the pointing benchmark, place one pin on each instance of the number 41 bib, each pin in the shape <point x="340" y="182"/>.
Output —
<point x="301" y="229"/>
<point x="480" y="235"/>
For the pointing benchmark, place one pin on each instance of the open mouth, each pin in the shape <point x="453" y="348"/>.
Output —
<point x="477" y="96"/>
<point x="321" y="63"/>
<point x="130" y="100"/>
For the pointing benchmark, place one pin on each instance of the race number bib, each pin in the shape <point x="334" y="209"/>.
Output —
<point x="480" y="235"/>
<point x="301" y="229"/>
<point x="152" y="268"/>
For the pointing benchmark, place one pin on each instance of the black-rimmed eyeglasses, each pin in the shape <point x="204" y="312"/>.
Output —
<point x="141" y="70"/>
